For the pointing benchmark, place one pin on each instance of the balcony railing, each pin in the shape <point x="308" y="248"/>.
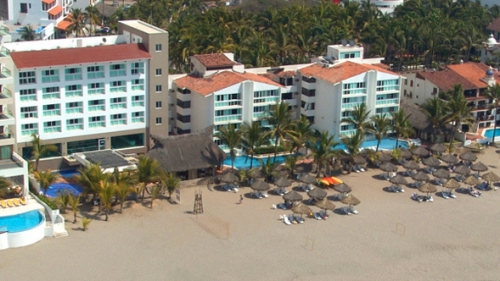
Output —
<point x="387" y="101"/>
<point x="351" y="104"/>
<point x="228" y="118"/>
<point x="348" y="132"/>
<point x="5" y="94"/>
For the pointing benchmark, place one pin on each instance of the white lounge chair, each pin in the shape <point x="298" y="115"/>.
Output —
<point x="317" y="216"/>
<point x="352" y="210"/>
<point x="286" y="220"/>
<point x="274" y="207"/>
<point x="299" y="219"/>
<point x="445" y="194"/>
<point x="292" y="219"/>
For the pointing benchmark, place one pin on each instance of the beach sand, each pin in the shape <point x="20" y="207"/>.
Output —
<point x="392" y="238"/>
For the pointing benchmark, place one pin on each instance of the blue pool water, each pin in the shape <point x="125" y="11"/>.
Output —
<point x="386" y="143"/>
<point x="243" y="162"/>
<point x="55" y="188"/>
<point x="21" y="222"/>
<point x="489" y="133"/>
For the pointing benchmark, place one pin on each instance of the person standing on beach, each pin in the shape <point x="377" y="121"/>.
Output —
<point x="241" y="198"/>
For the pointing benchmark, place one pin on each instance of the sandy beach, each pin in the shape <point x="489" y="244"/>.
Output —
<point x="392" y="238"/>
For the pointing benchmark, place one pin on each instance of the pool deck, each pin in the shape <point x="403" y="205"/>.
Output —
<point x="32" y="205"/>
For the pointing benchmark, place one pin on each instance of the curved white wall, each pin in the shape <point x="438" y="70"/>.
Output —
<point x="23" y="238"/>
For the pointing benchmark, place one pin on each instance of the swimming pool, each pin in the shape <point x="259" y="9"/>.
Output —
<point x="385" y="144"/>
<point x="21" y="222"/>
<point x="72" y="188"/>
<point x="489" y="133"/>
<point x="68" y="174"/>
<point x="243" y="162"/>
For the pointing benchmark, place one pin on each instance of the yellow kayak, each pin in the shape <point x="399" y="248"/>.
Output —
<point x="339" y="181"/>
<point x="325" y="182"/>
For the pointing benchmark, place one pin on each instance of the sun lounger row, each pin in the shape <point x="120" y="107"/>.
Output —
<point x="396" y="188"/>
<point x="421" y="198"/>
<point x="291" y="219"/>
<point x="348" y="210"/>
<point x="448" y="194"/>
<point x="12" y="202"/>
<point x="230" y="187"/>
<point x="260" y="194"/>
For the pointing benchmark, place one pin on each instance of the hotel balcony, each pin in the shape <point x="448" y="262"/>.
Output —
<point x="228" y="119"/>
<point x="6" y="118"/>
<point x="386" y="102"/>
<point x="307" y="112"/>
<point x="479" y="107"/>
<point x="7" y="139"/>
<point x="5" y="76"/>
<point x="6" y="97"/>
<point x="4" y="56"/>
<point x="15" y="166"/>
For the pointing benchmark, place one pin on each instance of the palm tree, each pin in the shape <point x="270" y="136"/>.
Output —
<point x="45" y="179"/>
<point x="171" y="182"/>
<point x="353" y="144"/>
<point x="290" y="163"/>
<point x="123" y="181"/>
<point x="122" y="191"/>
<point x="74" y="201"/>
<point x="268" y="168"/>
<point x="90" y="176"/>
<point x="38" y="150"/>
<point x="459" y="112"/>
<point x="253" y="137"/>
<point x="148" y="171"/>
<point x="231" y="137"/>
<point x="380" y="125"/>
<point x="359" y="117"/>
<point x="63" y="198"/>
<point x="93" y="16"/>
<point x="27" y="33"/>
<point x="436" y="110"/>
<point x="76" y="22"/>
<point x="401" y="124"/>
<point x="493" y="93"/>
<point x="322" y="149"/>
<point x="155" y="192"/>
<point x="301" y="133"/>
<point x="280" y="118"/>
<point x="106" y="193"/>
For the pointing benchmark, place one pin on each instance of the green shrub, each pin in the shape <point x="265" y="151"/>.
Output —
<point x="270" y="149"/>
<point x="48" y="201"/>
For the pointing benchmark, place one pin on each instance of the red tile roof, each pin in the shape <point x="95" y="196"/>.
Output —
<point x="48" y="1"/>
<point x="55" y="11"/>
<point x="288" y="73"/>
<point x="214" y="60"/>
<point x="494" y="25"/>
<point x="445" y="79"/>
<point x="210" y="84"/>
<point x="471" y="71"/>
<point x="68" y="56"/>
<point x="340" y="72"/>
<point x="63" y="25"/>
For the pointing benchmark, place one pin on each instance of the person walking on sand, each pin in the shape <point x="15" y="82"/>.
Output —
<point x="241" y="198"/>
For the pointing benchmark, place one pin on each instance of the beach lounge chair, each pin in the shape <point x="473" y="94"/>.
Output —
<point x="273" y="206"/>
<point x="317" y="216"/>
<point x="286" y="220"/>
<point x="452" y="195"/>
<point x="292" y="219"/>
<point x="445" y="194"/>
<point x="23" y="201"/>
<point x="3" y="203"/>
<point x="299" y="219"/>
<point x="10" y="203"/>
<point x="352" y="210"/>
<point x="16" y="202"/>
<point x="355" y="169"/>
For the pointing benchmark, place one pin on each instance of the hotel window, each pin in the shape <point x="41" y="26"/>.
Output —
<point x="96" y="71"/>
<point x="29" y="129"/>
<point x="97" y="122"/>
<point x="158" y="104"/>
<point x="117" y="70"/>
<point x="138" y="117"/>
<point x="117" y="103"/>
<point x="158" y="120"/>
<point x="309" y="93"/>
<point x="309" y="79"/>
<point x="51" y="110"/>
<point x="96" y="89"/>
<point x="138" y="85"/>
<point x="158" y="72"/>
<point x="118" y="86"/>
<point x="158" y="88"/>
<point x="137" y="101"/>
<point x="74" y="124"/>
<point x="118" y="119"/>
<point x="74" y="107"/>
<point x="49" y="76"/>
<point x="29" y="112"/>
<point x="46" y="7"/>
<point x="28" y="95"/>
<point x="73" y="91"/>
<point x="24" y="8"/>
<point x="71" y="74"/>
<point x="51" y="93"/>
<point x="158" y="47"/>
<point x="96" y="105"/>
<point x="137" y="68"/>
<point x="27" y="77"/>
<point x="52" y="127"/>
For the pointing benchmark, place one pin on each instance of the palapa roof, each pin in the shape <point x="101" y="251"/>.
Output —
<point x="494" y="25"/>
<point x="187" y="152"/>
<point x="418" y="119"/>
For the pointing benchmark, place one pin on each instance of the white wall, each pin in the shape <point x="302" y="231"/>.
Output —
<point x="66" y="43"/>
<point x="421" y="89"/>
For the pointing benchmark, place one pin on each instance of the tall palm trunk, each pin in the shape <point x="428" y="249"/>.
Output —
<point x="397" y="140"/>
<point x="275" y="148"/>
<point x="378" y="144"/>
<point x="251" y="161"/>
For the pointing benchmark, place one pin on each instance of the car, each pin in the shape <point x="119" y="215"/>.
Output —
<point x="103" y="29"/>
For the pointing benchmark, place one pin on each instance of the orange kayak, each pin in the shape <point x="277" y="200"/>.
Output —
<point x="329" y="180"/>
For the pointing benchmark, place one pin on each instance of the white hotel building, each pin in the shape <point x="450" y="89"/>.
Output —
<point x="86" y="94"/>
<point x="219" y="91"/>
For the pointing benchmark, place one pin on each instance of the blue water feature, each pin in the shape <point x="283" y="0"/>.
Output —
<point x="56" y="188"/>
<point x="385" y="144"/>
<point x="68" y="174"/>
<point x="21" y="222"/>
<point x="243" y="162"/>
<point x="489" y="133"/>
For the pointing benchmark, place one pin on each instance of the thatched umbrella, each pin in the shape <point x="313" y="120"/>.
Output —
<point x="441" y="173"/>
<point x="398" y="180"/>
<point x="451" y="184"/>
<point x="317" y="193"/>
<point x="308" y="179"/>
<point x="491" y="177"/>
<point x="384" y="157"/>
<point x="350" y="200"/>
<point x="358" y="160"/>
<point x="388" y="167"/>
<point x="420" y="151"/>
<point x="406" y="154"/>
<point x="427" y="188"/>
<point x="471" y="180"/>
<point x="468" y="156"/>
<point x="411" y="165"/>
<point x="438" y="147"/>
<point x="325" y="204"/>
<point x="260" y="186"/>
<point x="420" y="176"/>
<point x="282" y="182"/>
<point x="342" y="188"/>
<point x="301" y="209"/>
<point x="303" y="168"/>
<point x="256" y="173"/>
<point x="449" y="158"/>
<point x="462" y="170"/>
<point x="479" y="167"/>
<point x="431" y="162"/>
<point x="228" y="177"/>
<point x="292" y="196"/>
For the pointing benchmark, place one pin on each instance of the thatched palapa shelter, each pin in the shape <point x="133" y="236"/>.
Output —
<point x="190" y="156"/>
